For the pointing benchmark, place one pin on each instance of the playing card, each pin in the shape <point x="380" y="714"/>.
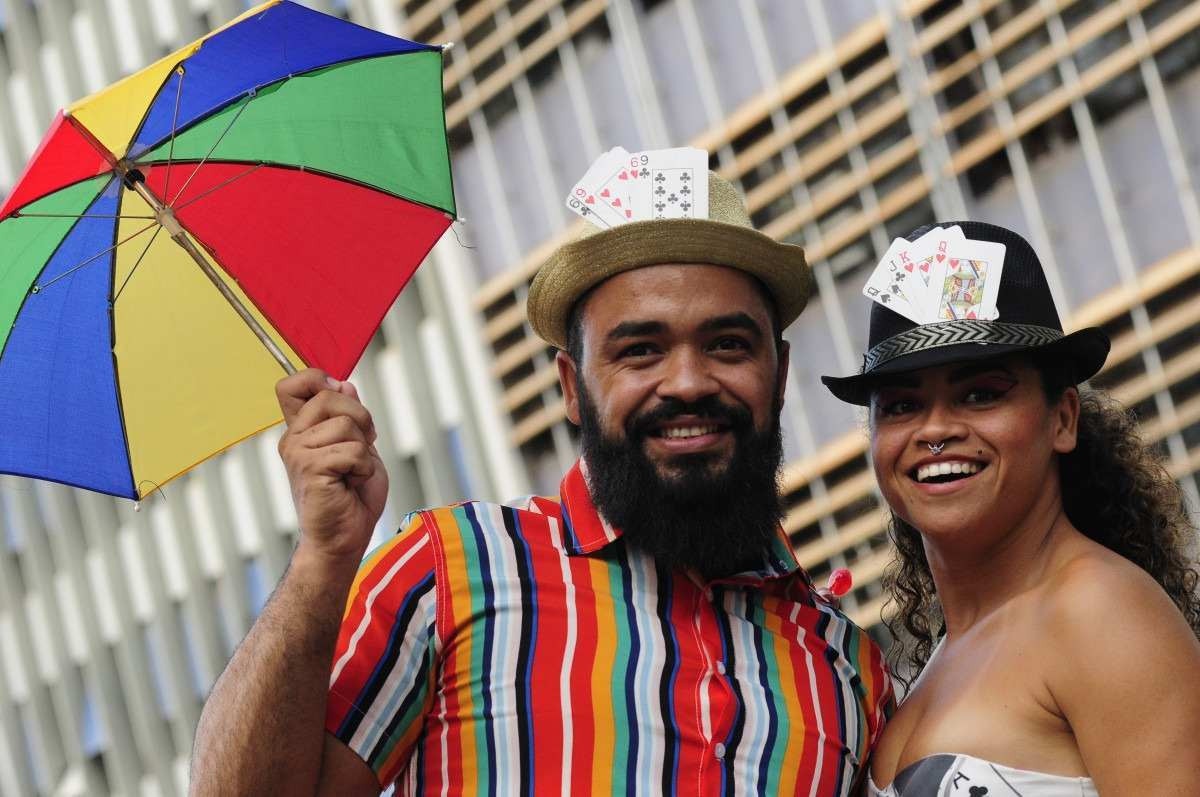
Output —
<point x="583" y="198"/>
<point x="888" y="282"/>
<point x="615" y="188"/>
<point x="919" y="259"/>
<point x="677" y="186"/>
<point x="967" y="281"/>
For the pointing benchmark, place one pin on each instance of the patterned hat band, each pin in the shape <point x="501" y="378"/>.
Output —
<point x="951" y="333"/>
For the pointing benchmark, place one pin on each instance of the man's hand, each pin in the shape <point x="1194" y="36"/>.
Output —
<point x="339" y="483"/>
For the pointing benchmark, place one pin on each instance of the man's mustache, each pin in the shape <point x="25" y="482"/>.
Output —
<point x="709" y="408"/>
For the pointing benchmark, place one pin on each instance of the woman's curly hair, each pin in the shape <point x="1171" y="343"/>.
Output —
<point x="1115" y="490"/>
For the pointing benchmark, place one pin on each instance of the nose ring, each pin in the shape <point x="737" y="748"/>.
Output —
<point x="936" y="448"/>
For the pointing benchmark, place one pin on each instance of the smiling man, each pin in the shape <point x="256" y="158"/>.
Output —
<point x="647" y="632"/>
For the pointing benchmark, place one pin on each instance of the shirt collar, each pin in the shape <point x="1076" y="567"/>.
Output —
<point x="586" y="531"/>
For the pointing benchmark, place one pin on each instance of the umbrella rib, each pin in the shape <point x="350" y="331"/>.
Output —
<point x="136" y="263"/>
<point x="211" y="150"/>
<point x="174" y="122"/>
<point x="219" y="185"/>
<point x="97" y="256"/>
<point x="20" y="215"/>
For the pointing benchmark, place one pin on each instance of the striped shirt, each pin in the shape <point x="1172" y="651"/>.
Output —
<point x="507" y="650"/>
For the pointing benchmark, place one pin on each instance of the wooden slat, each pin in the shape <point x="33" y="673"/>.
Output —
<point x="797" y="81"/>
<point x="1001" y="39"/>
<point x="897" y="201"/>
<point x="831" y="456"/>
<point x="1037" y="63"/>
<point x="517" y="355"/>
<point x="426" y="14"/>
<point x="838" y="497"/>
<point x="1163" y="35"/>
<point x="1186" y="414"/>
<point x="1152" y="281"/>
<point x="870" y="613"/>
<point x="530" y="387"/>
<point x="528" y="55"/>
<point x="1180" y="367"/>
<point x="950" y="24"/>
<point x="1189" y="466"/>
<point x="833" y="149"/>
<point x="850" y="535"/>
<point x="807" y="120"/>
<point x="491" y="44"/>
<point x="504" y="322"/>
<point x="539" y="422"/>
<point x="1131" y="342"/>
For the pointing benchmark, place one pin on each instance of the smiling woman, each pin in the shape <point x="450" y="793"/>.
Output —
<point x="1041" y="573"/>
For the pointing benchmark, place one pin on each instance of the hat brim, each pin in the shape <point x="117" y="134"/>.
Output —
<point x="577" y="267"/>
<point x="1084" y="352"/>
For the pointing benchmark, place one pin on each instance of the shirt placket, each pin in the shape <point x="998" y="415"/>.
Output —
<point x="715" y="690"/>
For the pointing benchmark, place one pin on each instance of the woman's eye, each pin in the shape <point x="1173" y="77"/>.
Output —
<point x="893" y="407"/>
<point x="982" y="395"/>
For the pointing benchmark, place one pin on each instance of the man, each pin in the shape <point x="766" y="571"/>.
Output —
<point x="648" y="633"/>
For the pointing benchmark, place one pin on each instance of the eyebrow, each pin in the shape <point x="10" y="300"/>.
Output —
<point x="637" y="329"/>
<point x="975" y="369"/>
<point x="738" y="320"/>
<point x="957" y="375"/>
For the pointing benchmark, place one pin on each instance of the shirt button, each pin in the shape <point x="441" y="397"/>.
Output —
<point x="721" y="667"/>
<point x="719" y="751"/>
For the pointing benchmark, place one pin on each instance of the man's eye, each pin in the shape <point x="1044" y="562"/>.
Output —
<point x="637" y="350"/>
<point x="730" y="344"/>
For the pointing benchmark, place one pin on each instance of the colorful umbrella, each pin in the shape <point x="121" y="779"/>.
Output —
<point x="298" y="167"/>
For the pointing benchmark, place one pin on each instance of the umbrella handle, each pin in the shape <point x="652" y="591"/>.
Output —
<point x="166" y="217"/>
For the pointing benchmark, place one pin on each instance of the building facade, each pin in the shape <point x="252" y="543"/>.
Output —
<point x="1075" y="122"/>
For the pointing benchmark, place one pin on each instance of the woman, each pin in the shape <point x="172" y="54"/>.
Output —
<point x="1046" y="547"/>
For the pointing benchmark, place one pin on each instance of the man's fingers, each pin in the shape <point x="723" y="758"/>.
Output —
<point x="351" y="459"/>
<point x="338" y="429"/>
<point x="328" y="404"/>
<point x="294" y="391"/>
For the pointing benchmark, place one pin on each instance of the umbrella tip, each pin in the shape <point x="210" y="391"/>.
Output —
<point x="446" y="46"/>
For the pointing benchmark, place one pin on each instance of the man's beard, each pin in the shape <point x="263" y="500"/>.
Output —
<point x="716" y="519"/>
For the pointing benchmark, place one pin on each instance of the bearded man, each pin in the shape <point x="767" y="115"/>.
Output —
<point x="647" y="632"/>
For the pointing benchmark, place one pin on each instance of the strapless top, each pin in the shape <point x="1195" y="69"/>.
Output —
<point x="957" y="775"/>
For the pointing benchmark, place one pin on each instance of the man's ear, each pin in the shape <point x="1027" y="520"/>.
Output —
<point x="568" y="374"/>
<point x="783" y="351"/>
<point x="1066" y="421"/>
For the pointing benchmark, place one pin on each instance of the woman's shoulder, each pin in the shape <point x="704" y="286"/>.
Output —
<point x="1104" y="614"/>
<point x="1093" y="586"/>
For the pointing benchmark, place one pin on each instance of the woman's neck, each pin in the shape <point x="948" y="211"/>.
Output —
<point x="975" y="580"/>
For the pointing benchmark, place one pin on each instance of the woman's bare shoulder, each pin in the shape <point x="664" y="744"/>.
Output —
<point x="1092" y="582"/>
<point x="1101" y="609"/>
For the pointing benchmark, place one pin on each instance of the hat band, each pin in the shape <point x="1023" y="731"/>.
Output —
<point x="950" y="333"/>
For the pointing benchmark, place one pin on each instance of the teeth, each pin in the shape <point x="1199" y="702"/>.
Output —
<point x="688" y="431"/>
<point x="926" y="472"/>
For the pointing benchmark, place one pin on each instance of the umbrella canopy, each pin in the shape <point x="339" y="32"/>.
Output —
<point x="287" y="172"/>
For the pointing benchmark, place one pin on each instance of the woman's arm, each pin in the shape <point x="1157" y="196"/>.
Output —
<point x="1127" y="680"/>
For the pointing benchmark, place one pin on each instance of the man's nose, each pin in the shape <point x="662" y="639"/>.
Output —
<point x="687" y="376"/>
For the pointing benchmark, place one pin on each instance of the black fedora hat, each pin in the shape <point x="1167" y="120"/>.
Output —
<point x="1027" y="322"/>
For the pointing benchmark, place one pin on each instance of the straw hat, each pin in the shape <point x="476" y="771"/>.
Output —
<point x="725" y="238"/>
<point x="1028" y="322"/>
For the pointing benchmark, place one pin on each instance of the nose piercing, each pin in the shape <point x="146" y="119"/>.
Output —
<point x="936" y="448"/>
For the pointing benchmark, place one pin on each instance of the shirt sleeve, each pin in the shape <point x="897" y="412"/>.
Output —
<point x="384" y="665"/>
